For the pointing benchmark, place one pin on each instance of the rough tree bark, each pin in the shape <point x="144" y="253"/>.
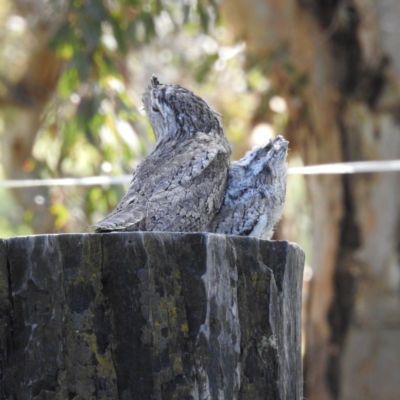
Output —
<point x="149" y="315"/>
<point x="337" y="64"/>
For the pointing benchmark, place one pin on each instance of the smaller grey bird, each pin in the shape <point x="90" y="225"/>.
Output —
<point x="255" y="193"/>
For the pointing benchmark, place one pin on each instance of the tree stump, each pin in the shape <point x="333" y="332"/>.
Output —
<point x="150" y="316"/>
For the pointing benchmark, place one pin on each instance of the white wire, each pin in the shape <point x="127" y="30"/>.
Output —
<point x="348" y="168"/>
<point x="337" y="168"/>
<point x="89" y="181"/>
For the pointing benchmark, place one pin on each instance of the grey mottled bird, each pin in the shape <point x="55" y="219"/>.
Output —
<point x="181" y="185"/>
<point x="255" y="193"/>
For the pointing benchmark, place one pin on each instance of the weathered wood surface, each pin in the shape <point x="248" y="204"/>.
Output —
<point x="149" y="316"/>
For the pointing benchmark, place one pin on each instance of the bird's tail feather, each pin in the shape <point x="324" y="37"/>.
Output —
<point x="122" y="220"/>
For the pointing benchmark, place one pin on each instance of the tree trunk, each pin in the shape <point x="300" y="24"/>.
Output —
<point x="149" y="315"/>
<point x="338" y="66"/>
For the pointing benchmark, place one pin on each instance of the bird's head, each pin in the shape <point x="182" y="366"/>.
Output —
<point x="270" y="156"/>
<point x="177" y="113"/>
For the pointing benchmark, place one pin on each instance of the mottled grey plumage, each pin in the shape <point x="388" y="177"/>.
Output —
<point x="181" y="184"/>
<point x="255" y="193"/>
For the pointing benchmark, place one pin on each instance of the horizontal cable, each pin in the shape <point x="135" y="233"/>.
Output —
<point x="337" y="168"/>
<point x="348" y="168"/>
<point x="89" y="181"/>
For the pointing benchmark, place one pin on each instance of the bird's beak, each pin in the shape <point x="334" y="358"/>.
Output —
<point x="154" y="82"/>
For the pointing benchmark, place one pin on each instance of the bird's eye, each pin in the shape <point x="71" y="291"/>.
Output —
<point x="155" y="108"/>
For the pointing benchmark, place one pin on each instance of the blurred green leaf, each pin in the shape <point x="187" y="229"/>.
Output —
<point x="204" y="17"/>
<point x="61" y="212"/>
<point x="68" y="82"/>
<point x="63" y="35"/>
<point x="132" y="2"/>
<point x="82" y="62"/>
<point x="204" y="67"/>
<point x="91" y="31"/>
<point x="148" y="21"/>
<point x="95" y="9"/>
<point x="119" y="35"/>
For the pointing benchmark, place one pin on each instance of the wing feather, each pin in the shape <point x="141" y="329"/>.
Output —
<point x="179" y="187"/>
